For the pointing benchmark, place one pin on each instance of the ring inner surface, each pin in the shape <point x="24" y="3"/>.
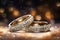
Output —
<point x="40" y="23"/>
<point x="19" y="20"/>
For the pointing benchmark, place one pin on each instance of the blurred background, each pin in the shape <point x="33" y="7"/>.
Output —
<point x="47" y="10"/>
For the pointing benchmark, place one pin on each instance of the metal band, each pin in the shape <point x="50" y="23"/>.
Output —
<point x="20" y="23"/>
<point x="39" y="26"/>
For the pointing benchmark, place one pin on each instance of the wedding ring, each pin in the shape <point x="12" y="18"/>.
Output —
<point x="39" y="26"/>
<point x="20" y="23"/>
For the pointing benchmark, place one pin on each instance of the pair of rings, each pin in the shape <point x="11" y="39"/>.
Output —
<point x="27" y="22"/>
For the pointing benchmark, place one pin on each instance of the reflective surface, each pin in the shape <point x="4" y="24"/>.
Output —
<point x="39" y="26"/>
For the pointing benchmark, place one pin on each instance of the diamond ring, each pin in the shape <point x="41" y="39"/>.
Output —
<point x="20" y="23"/>
<point x="39" y="26"/>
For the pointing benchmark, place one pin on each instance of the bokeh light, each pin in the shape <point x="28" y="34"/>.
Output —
<point x="33" y="12"/>
<point x="48" y="15"/>
<point x="11" y="9"/>
<point x="16" y="13"/>
<point x="37" y="17"/>
<point x="1" y="10"/>
<point x="58" y="4"/>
